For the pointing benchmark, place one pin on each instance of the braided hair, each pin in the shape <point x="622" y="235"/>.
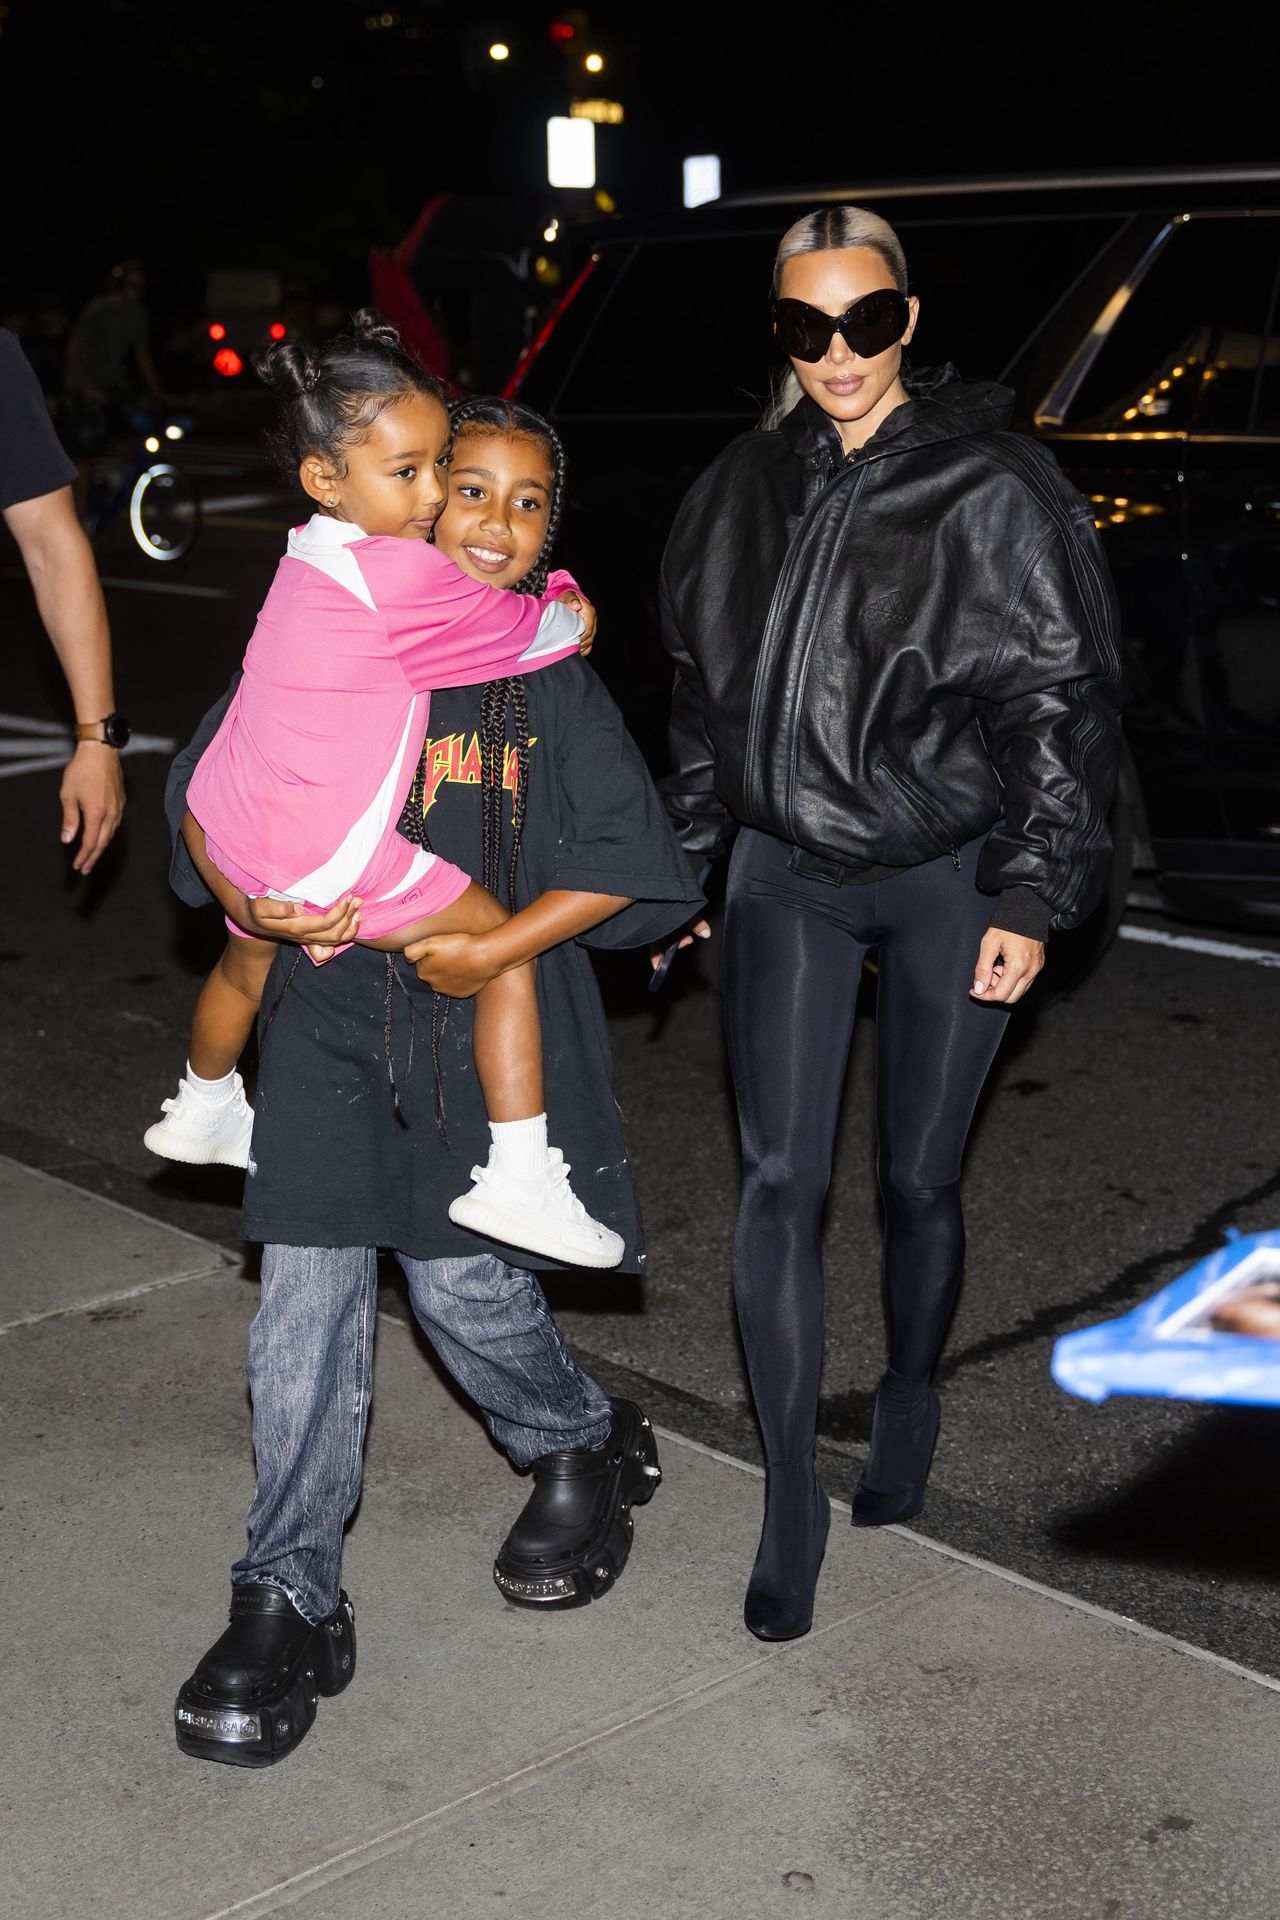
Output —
<point x="505" y="419"/>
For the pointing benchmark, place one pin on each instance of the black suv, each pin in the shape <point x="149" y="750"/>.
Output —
<point x="1135" y="316"/>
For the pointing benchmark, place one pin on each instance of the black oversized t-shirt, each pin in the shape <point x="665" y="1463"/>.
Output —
<point x="330" y="1165"/>
<point x="32" y="459"/>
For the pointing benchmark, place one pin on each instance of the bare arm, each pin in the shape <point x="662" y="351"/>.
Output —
<point x="459" y="964"/>
<point x="272" y="919"/>
<point x="60" y="563"/>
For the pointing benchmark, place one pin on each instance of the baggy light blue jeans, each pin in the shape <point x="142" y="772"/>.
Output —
<point x="311" y="1372"/>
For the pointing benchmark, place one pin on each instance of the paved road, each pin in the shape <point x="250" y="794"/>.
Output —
<point x="1124" y="1129"/>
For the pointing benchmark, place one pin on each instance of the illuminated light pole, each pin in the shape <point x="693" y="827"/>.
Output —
<point x="701" y="179"/>
<point x="571" y="152"/>
<point x="499" y="50"/>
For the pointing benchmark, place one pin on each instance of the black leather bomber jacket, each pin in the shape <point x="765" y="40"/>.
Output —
<point x="882" y="657"/>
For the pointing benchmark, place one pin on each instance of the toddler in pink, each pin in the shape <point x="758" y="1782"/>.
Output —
<point x="301" y="788"/>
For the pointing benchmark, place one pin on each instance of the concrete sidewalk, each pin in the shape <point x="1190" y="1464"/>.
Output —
<point x="949" y="1740"/>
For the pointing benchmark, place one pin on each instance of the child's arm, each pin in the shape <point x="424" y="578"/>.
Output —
<point x="459" y="964"/>
<point x="448" y="630"/>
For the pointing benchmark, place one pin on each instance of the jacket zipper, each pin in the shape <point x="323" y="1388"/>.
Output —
<point x="767" y="644"/>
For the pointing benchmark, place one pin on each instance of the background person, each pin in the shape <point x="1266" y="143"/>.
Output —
<point x="39" y="510"/>
<point x="897" y="670"/>
<point x="109" y="364"/>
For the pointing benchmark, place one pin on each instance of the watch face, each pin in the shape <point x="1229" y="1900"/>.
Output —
<point x="116" y="730"/>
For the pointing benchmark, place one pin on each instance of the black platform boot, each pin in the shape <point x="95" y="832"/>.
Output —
<point x="572" y="1540"/>
<point x="904" y="1433"/>
<point x="797" y="1517"/>
<point x="253" y="1696"/>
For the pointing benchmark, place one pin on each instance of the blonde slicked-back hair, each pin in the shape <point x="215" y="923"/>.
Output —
<point x="827" y="230"/>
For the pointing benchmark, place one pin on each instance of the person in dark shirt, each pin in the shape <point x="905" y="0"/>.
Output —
<point x="38" y="506"/>
<point x="536" y="784"/>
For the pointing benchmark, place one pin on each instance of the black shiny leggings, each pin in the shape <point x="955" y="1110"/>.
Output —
<point x="793" y="952"/>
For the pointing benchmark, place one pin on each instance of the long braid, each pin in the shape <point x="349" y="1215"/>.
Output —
<point x="501" y="417"/>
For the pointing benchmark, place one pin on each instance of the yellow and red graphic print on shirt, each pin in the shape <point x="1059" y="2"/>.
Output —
<point x="456" y="758"/>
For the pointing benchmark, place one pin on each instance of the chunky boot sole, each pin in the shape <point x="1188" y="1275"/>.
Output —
<point x="265" y="1727"/>
<point x="480" y="1215"/>
<point x="552" y="1584"/>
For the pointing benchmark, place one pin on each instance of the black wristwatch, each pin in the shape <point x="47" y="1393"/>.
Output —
<point x="116" y="731"/>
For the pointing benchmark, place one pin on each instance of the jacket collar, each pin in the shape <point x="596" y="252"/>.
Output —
<point x="940" y="406"/>
<point x="323" y="534"/>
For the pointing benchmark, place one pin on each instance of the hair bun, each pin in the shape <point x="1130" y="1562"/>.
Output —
<point x="368" y="328"/>
<point x="290" y="368"/>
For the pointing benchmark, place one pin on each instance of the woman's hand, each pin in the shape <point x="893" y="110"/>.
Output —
<point x="583" y="607"/>
<point x="1007" y="964"/>
<point x="458" y="964"/>
<point x="698" y="929"/>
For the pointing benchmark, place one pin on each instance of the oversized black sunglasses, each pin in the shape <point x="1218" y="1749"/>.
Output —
<point x="870" y="326"/>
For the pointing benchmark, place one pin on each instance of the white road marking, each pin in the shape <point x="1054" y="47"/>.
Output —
<point x="1191" y="943"/>
<point x="167" y="586"/>
<point x="234" y="502"/>
<point x="47" y="744"/>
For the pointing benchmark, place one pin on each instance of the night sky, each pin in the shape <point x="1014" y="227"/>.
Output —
<point x="197" y="135"/>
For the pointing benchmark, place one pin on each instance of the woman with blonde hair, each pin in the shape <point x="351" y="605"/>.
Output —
<point x="896" y="683"/>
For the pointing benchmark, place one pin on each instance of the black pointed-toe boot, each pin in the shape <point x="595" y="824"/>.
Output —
<point x="253" y="1696"/>
<point x="904" y="1433"/>
<point x="797" y="1517"/>
<point x="573" y="1537"/>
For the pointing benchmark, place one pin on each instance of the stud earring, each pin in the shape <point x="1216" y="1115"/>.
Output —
<point x="331" y="502"/>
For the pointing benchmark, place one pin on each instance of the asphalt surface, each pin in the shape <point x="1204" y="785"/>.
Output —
<point x="1125" y="1127"/>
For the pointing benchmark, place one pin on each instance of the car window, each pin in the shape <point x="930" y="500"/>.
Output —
<point x="1267" y="410"/>
<point x="985" y="286"/>
<point x="686" y="330"/>
<point x="1184" y="351"/>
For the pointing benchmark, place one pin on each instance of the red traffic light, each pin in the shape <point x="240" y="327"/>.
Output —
<point x="277" y="329"/>
<point x="561" y="30"/>
<point x="217" y="331"/>
<point x="227" y="362"/>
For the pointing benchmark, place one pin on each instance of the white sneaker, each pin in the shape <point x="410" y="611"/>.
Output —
<point x="539" y="1212"/>
<point x="202" y="1133"/>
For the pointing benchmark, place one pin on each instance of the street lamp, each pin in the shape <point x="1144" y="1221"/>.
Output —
<point x="701" y="179"/>
<point x="594" y="63"/>
<point x="499" y="50"/>
<point x="571" y="152"/>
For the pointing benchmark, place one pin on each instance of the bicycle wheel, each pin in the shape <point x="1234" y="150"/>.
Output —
<point x="164" y="513"/>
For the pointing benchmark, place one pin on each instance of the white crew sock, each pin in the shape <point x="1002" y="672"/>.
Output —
<point x="215" y="1093"/>
<point x="521" y="1145"/>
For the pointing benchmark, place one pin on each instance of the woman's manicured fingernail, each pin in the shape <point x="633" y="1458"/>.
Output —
<point x="977" y="986"/>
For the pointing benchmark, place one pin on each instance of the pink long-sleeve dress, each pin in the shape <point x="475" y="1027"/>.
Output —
<point x="301" y="787"/>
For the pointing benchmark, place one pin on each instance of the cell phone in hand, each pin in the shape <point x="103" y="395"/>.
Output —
<point x="663" y="968"/>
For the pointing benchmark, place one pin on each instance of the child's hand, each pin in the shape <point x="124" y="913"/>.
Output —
<point x="458" y="964"/>
<point x="583" y="607"/>
<point x="319" y="933"/>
